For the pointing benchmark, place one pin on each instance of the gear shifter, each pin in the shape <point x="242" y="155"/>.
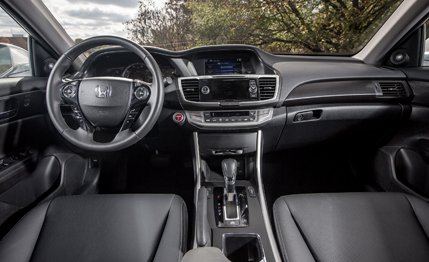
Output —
<point x="229" y="170"/>
<point x="231" y="201"/>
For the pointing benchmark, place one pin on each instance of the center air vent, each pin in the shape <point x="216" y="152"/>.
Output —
<point x="267" y="87"/>
<point x="393" y="89"/>
<point x="191" y="89"/>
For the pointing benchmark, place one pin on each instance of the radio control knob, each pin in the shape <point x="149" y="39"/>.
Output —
<point x="205" y="90"/>
<point x="253" y="88"/>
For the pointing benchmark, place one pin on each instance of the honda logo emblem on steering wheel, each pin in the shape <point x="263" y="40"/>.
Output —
<point x="103" y="91"/>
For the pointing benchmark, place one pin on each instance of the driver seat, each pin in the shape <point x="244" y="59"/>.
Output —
<point x="100" y="228"/>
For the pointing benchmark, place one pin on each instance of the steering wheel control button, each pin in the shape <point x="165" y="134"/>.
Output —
<point x="205" y="90"/>
<point x="128" y="123"/>
<point x="142" y="93"/>
<point x="179" y="118"/>
<point x="69" y="91"/>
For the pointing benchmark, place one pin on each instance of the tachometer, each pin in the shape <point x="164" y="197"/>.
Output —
<point x="138" y="71"/>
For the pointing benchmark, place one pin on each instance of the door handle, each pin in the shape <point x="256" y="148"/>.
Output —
<point x="7" y="114"/>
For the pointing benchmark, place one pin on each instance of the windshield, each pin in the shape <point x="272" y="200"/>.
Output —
<point x="292" y="27"/>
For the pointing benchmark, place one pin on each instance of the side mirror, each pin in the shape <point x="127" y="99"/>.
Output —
<point x="14" y="61"/>
<point x="5" y="60"/>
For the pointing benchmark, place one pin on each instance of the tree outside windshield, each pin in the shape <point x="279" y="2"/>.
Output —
<point x="293" y="26"/>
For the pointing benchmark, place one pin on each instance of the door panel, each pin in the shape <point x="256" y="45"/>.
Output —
<point x="34" y="166"/>
<point x="21" y="186"/>
<point x="403" y="164"/>
<point x="22" y="115"/>
<point x="26" y="176"/>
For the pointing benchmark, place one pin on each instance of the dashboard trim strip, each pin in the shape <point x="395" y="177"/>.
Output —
<point x="262" y="199"/>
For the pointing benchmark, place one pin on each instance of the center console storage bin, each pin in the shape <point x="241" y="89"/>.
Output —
<point x="243" y="248"/>
<point x="234" y="141"/>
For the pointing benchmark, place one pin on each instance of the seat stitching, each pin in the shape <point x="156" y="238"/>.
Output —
<point x="180" y="232"/>
<point x="185" y="222"/>
<point x="416" y="217"/>
<point x="310" y="249"/>
<point x="281" y="240"/>
<point x="163" y="231"/>
<point x="41" y="228"/>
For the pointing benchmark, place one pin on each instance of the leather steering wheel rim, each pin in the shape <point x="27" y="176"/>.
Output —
<point x="123" y="139"/>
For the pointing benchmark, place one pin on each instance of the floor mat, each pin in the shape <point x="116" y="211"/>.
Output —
<point x="144" y="173"/>
<point x="307" y="171"/>
<point x="138" y="172"/>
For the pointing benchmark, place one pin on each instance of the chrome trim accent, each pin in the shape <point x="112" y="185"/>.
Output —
<point x="262" y="199"/>
<point x="225" y="216"/>
<point x="197" y="180"/>
<point x="225" y="235"/>
<point x="229" y="152"/>
<point x="196" y="118"/>
<point x="243" y="103"/>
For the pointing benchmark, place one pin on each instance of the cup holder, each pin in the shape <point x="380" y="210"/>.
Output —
<point x="243" y="247"/>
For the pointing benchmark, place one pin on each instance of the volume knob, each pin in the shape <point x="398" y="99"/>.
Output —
<point x="205" y="90"/>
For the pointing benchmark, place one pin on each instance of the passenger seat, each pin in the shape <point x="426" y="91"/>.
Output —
<point x="382" y="227"/>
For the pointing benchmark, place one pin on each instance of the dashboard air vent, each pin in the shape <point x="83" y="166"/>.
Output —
<point x="191" y="89"/>
<point x="393" y="89"/>
<point x="267" y="87"/>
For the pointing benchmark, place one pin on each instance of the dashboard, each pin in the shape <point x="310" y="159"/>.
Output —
<point x="120" y="63"/>
<point x="293" y="99"/>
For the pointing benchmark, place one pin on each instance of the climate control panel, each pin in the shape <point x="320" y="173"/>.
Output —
<point x="229" y="118"/>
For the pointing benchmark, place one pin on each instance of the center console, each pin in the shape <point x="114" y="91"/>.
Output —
<point x="231" y="212"/>
<point x="227" y="105"/>
<point x="229" y="101"/>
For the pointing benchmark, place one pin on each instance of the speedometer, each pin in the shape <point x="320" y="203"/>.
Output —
<point x="138" y="71"/>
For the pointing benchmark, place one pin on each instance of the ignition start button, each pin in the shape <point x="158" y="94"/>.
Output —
<point x="179" y="118"/>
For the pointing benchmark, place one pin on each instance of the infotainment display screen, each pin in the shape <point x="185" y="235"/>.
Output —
<point x="223" y="66"/>
<point x="228" y="90"/>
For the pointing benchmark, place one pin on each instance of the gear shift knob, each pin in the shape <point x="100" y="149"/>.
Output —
<point x="229" y="170"/>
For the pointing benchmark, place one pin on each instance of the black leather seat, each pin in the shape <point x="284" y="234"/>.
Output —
<point x="100" y="228"/>
<point x="352" y="227"/>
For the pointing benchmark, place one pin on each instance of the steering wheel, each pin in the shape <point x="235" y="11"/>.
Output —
<point x="128" y="108"/>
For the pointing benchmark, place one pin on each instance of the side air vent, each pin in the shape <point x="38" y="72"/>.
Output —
<point x="393" y="89"/>
<point x="191" y="89"/>
<point x="267" y="87"/>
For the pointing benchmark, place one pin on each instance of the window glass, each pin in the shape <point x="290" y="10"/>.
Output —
<point x="276" y="26"/>
<point x="426" y="51"/>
